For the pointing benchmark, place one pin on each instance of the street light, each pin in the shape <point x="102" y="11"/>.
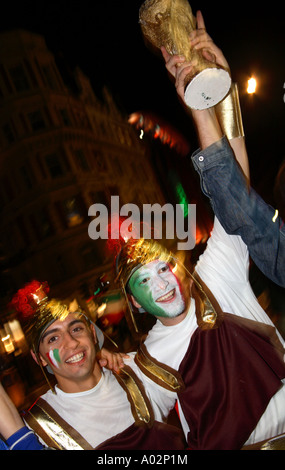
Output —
<point x="251" y="86"/>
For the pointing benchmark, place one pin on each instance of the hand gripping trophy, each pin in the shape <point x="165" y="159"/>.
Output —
<point x="169" y="23"/>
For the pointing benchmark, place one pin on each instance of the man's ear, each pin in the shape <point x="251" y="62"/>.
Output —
<point x="136" y="304"/>
<point x="93" y="332"/>
<point x="37" y="358"/>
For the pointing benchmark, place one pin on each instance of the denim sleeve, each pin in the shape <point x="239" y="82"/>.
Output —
<point x="240" y="210"/>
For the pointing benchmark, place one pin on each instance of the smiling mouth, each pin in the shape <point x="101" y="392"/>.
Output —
<point x="167" y="297"/>
<point x="76" y="358"/>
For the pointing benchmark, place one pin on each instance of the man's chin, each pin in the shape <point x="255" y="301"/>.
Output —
<point x="174" y="313"/>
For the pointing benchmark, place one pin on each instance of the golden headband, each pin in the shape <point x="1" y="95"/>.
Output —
<point x="37" y="311"/>
<point x="137" y="253"/>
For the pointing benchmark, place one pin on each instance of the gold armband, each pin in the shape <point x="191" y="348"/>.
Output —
<point x="229" y="114"/>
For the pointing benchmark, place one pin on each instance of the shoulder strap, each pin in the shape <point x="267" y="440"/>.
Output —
<point x="162" y="374"/>
<point x="208" y="311"/>
<point x="53" y="430"/>
<point x="140" y="404"/>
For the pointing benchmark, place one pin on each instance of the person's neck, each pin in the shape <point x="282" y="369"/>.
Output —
<point x="166" y="321"/>
<point x="73" y="385"/>
<point x="171" y="321"/>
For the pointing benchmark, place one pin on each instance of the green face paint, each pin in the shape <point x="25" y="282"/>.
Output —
<point x="56" y="355"/>
<point x="53" y="356"/>
<point x="157" y="290"/>
<point x="143" y="295"/>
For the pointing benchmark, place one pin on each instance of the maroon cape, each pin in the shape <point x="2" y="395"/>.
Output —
<point x="230" y="374"/>
<point x="159" y="437"/>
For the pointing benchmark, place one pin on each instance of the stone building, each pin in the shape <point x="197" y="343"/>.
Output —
<point x="61" y="150"/>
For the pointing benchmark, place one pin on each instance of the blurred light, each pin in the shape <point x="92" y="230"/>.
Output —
<point x="16" y="331"/>
<point x="275" y="216"/>
<point x="101" y="309"/>
<point x="182" y="198"/>
<point x="6" y="338"/>
<point x="148" y="123"/>
<point x="7" y="342"/>
<point x="251" y="86"/>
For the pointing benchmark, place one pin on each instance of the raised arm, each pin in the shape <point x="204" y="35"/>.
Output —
<point x="12" y="427"/>
<point x="209" y="129"/>
<point x="224" y="173"/>
<point x="10" y="420"/>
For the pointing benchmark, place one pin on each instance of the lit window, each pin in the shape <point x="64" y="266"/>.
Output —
<point x="73" y="211"/>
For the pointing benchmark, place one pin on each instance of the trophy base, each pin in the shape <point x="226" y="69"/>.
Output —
<point x="207" y="88"/>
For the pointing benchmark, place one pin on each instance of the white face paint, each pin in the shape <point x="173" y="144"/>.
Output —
<point x="53" y="356"/>
<point x="157" y="290"/>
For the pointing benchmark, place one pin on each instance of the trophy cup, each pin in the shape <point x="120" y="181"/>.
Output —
<point x="169" y="23"/>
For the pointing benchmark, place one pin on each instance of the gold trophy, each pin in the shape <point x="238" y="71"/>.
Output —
<point x="169" y="23"/>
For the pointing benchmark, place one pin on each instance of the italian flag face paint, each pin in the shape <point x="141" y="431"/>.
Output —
<point x="157" y="290"/>
<point x="53" y="357"/>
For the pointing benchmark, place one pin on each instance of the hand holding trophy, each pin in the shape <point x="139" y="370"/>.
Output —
<point x="169" y="23"/>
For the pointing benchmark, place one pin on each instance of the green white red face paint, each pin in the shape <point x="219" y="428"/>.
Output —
<point x="156" y="288"/>
<point x="53" y="357"/>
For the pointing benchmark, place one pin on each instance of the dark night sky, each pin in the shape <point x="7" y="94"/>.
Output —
<point x="104" y="40"/>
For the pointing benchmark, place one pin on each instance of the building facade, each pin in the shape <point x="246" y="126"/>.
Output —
<point x="61" y="150"/>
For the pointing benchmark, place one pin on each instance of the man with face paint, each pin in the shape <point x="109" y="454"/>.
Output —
<point x="157" y="289"/>
<point x="219" y="339"/>
<point x="210" y="327"/>
<point x="88" y="408"/>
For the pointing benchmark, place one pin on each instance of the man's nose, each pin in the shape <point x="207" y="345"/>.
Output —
<point x="70" y="342"/>
<point x="162" y="283"/>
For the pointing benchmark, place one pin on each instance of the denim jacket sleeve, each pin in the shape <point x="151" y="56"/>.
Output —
<point x="240" y="210"/>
